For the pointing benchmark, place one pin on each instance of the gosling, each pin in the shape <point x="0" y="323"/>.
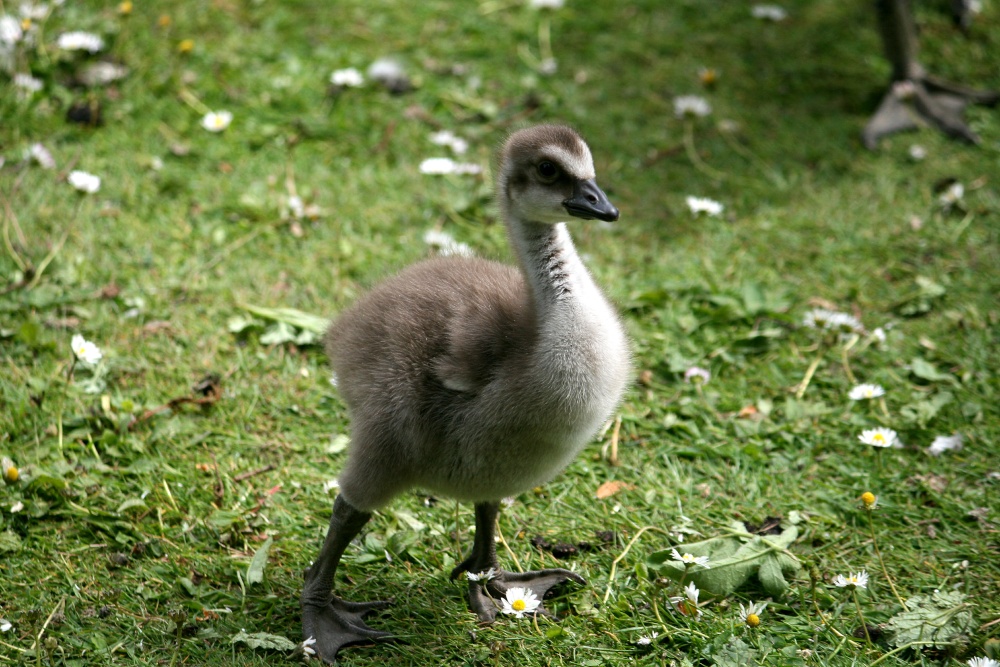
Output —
<point x="474" y="379"/>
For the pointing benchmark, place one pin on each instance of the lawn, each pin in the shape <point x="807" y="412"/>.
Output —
<point x="162" y="503"/>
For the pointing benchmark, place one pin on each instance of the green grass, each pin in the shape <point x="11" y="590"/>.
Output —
<point x="135" y="533"/>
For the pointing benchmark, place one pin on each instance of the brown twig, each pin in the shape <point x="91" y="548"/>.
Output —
<point x="253" y="473"/>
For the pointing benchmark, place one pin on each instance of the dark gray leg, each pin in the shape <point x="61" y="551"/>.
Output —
<point x="916" y="98"/>
<point x="483" y="596"/>
<point x="332" y="622"/>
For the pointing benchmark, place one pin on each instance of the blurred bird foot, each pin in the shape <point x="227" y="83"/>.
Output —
<point x="926" y="101"/>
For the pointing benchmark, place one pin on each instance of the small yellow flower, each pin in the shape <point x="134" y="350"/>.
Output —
<point x="125" y="8"/>
<point x="869" y="499"/>
<point x="10" y="471"/>
<point x="185" y="46"/>
<point x="164" y="21"/>
<point x="26" y="24"/>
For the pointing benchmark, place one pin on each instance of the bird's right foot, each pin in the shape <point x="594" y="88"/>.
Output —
<point x="339" y="623"/>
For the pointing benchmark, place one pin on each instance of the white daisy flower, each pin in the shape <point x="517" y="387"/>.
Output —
<point x="84" y="182"/>
<point x="446" y="245"/>
<point x="33" y="12"/>
<point x="917" y="152"/>
<point x="16" y="507"/>
<point x="546" y="4"/>
<point x="856" y="580"/>
<point x="943" y="443"/>
<point x="10" y="30"/>
<point x="5" y="625"/>
<point x="42" y="156"/>
<point x="865" y="391"/>
<point x="983" y="662"/>
<point x="751" y="614"/>
<point x="952" y="195"/>
<point x="689" y="560"/>
<point x="646" y="640"/>
<point x="439" y="166"/>
<point x="878" y="333"/>
<point x="386" y="71"/>
<point x="451" y="140"/>
<point x="330" y="485"/>
<point x="691" y="105"/>
<point x="688" y="604"/>
<point x="704" y="205"/>
<point x="832" y="320"/>
<point x="769" y="12"/>
<point x="80" y="41"/>
<point x="481" y="576"/>
<point x="216" y="121"/>
<point x="85" y="351"/>
<point x="27" y="83"/>
<point x="878" y="437"/>
<point x="519" y="601"/>
<point x="348" y="77"/>
<point x="696" y="374"/>
<point x="307" y="646"/>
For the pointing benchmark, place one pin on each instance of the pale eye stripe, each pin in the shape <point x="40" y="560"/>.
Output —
<point x="578" y="166"/>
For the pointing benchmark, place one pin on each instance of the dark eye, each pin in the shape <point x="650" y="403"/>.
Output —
<point x="547" y="170"/>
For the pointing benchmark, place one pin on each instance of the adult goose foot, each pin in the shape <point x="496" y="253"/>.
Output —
<point x="926" y="101"/>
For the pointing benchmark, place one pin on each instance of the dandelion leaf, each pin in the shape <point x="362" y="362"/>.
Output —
<point x="9" y="542"/>
<point x="255" y="572"/>
<point x="735" y="653"/>
<point x="733" y="560"/>
<point x="296" y="318"/>
<point x="263" y="640"/>
<point x="936" y="620"/>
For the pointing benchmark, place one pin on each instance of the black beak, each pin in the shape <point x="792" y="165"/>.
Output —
<point x="589" y="202"/>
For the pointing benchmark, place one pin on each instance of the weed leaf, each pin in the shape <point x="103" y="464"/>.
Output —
<point x="263" y="640"/>
<point x="937" y="619"/>
<point x="255" y="572"/>
<point x="734" y="558"/>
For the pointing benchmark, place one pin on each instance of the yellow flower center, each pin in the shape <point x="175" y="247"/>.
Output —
<point x="186" y="46"/>
<point x="879" y="438"/>
<point x="11" y="474"/>
<point x="753" y="620"/>
<point x="518" y="605"/>
<point x="125" y="7"/>
<point x="868" y="498"/>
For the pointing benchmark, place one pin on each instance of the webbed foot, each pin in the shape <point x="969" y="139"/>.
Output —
<point x="485" y="595"/>
<point x="338" y="624"/>
<point x="923" y="101"/>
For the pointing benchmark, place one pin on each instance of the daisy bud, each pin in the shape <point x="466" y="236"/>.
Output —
<point x="869" y="499"/>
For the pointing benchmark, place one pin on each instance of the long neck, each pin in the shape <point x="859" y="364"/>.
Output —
<point x="554" y="273"/>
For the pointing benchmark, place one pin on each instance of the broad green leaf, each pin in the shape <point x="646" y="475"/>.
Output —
<point x="255" y="572"/>
<point x="263" y="640"/>
<point x="9" y="542"/>
<point x="938" y="619"/>
<point x="296" y="318"/>
<point x="733" y="559"/>
<point x="131" y="503"/>
<point x="925" y="370"/>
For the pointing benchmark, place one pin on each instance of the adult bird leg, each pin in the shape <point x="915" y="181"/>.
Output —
<point x="332" y="622"/>
<point x="485" y="593"/>
<point x="916" y="98"/>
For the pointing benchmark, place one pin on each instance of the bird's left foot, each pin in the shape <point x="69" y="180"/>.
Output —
<point x="485" y="594"/>
<point x="926" y="100"/>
